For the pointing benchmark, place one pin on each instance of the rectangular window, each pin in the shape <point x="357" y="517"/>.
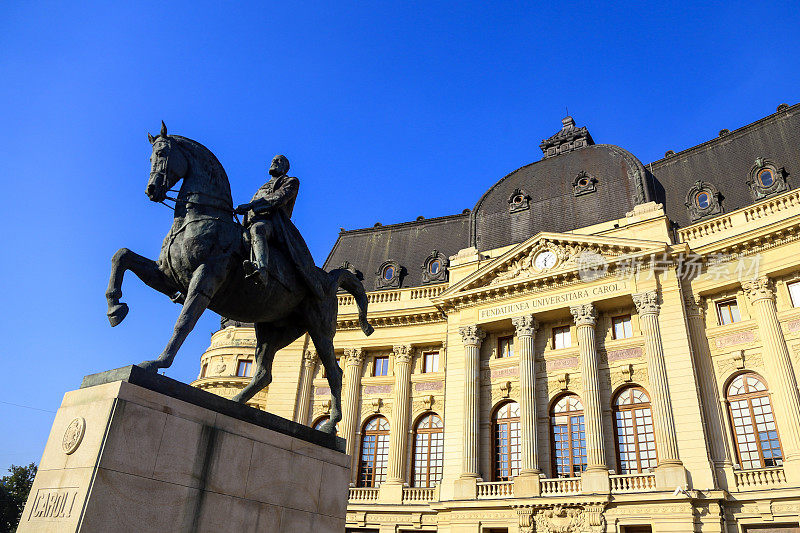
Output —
<point x="621" y="327"/>
<point x="728" y="312"/>
<point x="245" y="368"/>
<point x="505" y="347"/>
<point x="430" y="362"/>
<point x="380" y="366"/>
<point x="204" y="370"/>
<point x="562" y="337"/>
<point x="794" y="293"/>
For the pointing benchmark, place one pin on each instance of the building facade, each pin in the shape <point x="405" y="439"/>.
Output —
<point x="598" y="345"/>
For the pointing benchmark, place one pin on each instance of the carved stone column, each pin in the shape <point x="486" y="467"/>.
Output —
<point x="669" y="472"/>
<point x="466" y="487"/>
<point x="353" y="360"/>
<point x="398" y="437"/>
<point x="306" y="384"/>
<point x="595" y="478"/>
<point x="782" y="381"/>
<point x="716" y="427"/>
<point x="527" y="483"/>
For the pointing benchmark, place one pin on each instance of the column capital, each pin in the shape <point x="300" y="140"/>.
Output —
<point x="402" y="353"/>
<point x="584" y="314"/>
<point x="758" y="289"/>
<point x="646" y="302"/>
<point x="693" y="304"/>
<point x="354" y="356"/>
<point x="309" y="358"/>
<point x="472" y="335"/>
<point x="525" y="325"/>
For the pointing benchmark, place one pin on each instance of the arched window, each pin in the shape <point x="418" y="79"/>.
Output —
<point x="321" y="420"/>
<point x="428" y="451"/>
<point x="569" y="437"/>
<point x="374" y="452"/>
<point x="636" y="443"/>
<point x="506" y="441"/>
<point x="754" y="428"/>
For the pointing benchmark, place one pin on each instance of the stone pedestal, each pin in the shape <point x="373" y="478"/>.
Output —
<point x="132" y="451"/>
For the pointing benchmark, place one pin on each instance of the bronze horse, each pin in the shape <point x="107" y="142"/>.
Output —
<point x="200" y="266"/>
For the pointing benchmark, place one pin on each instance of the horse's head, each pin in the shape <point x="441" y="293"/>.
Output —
<point x="167" y="165"/>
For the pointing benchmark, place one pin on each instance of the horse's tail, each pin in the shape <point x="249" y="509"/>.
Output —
<point x="348" y="281"/>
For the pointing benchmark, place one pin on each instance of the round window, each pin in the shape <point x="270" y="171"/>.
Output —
<point x="766" y="178"/>
<point x="518" y="199"/>
<point x="434" y="266"/>
<point x="388" y="273"/>
<point x="583" y="182"/>
<point x="703" y="200"/>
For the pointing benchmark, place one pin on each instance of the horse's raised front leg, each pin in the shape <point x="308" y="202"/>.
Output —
<point x="206" y="280"/>
<point x="269" y="339"/>
<point x="145" y="269"/>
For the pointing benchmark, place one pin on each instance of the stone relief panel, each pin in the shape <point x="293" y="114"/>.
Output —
<point x="741" y="337"/>
<point x="568" y="256"/>
<point x="375" y="406"/>
<point x="620" y="375"/>
<point x="636" y="352"/>
<point x="727" y="364"/>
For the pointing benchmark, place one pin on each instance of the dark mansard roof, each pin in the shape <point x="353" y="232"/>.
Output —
<point x="726" y="162"/>
<point x="578" y="183"/>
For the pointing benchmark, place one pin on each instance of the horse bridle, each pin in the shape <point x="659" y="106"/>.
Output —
<point x="164" y="173"/>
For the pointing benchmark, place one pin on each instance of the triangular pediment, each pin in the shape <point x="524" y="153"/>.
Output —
<point x="551" y="255"/>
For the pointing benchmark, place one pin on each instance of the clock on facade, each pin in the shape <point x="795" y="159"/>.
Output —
<point x="545" y="260"/>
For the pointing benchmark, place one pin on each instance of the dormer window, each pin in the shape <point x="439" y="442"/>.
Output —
<point x="434" y="269"/>
<point x="388" y="275"/>
<point x="766" y="179"/>
<point x="703" y="200"/>
<point x="583" y="184"/>
<point x="519" y="201"/>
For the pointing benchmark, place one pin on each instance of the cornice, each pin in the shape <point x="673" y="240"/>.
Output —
<point x="400" y="319"/>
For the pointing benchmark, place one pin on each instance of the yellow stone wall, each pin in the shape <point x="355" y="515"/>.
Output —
<point x="685" y="370"/>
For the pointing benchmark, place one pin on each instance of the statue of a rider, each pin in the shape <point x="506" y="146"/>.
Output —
<point x="268" y="220"/>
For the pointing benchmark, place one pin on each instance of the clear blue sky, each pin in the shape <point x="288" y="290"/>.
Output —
<point x="386" y="110"/>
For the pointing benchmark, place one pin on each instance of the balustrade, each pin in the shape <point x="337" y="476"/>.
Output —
<point x="561" y="486"/>
<point x="632" y="483"/>
<point x="419" y="494"/>
<point x="759" y="479"/>
<point x="363" y="494"/>
<point x="488" y="490"/>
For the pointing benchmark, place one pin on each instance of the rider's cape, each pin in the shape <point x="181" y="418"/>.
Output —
<point x="287" y="234"/>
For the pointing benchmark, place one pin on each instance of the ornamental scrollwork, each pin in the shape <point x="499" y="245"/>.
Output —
<point x="646" y="302"/>
<point x="568" y="256"/>
<point x="402" y="353"/>
<point x="472" y="335"/>
<point x="703" y="200"/>
<point x="525" y="325"/>
<point x="766" y="179"/>
<point x="354" y="356"/>
<point x="758" y="289"/>
<point x="309" y="358"/>
<point x="584" y="314"/>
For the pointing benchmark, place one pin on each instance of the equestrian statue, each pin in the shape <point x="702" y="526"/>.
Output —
<point x="261" y="272"/>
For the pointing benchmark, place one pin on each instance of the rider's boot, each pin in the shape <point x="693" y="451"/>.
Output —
<point x="257" y="268"/>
